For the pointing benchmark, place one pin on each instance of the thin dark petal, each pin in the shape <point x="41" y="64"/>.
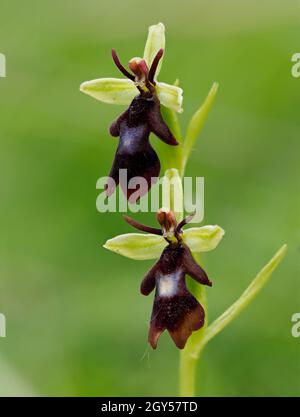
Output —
<point x="148" y="283"/>
<point x="154" y="65"/>
<point x="120" y="66"/>
<point x="142" y="227"/>
<point x="159" y="127"/>
<point x="193" y="269"/>
<point x="184" y="222"/>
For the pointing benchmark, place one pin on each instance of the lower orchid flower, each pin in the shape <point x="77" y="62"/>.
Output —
<point x="175" y="309"/>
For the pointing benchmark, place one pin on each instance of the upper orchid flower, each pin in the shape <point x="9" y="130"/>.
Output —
<point x="143" y="116"/>
<point x="123" y="91"/>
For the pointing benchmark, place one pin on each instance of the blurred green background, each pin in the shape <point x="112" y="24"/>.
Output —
<point x="76" y="323"/>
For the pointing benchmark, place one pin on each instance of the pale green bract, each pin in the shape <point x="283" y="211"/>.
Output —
<point x="122" y="91"/>
<point x="203" y="239"/>
<point x="110" y="90"/>
<point x="155" y="41"/>
<point x="170" y="96"/>
<point x="137" y="246"/>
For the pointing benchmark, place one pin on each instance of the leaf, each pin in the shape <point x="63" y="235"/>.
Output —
<point x="197" y="122"/>
<point x="203" y="239"/>
<point x="110" y="90"/>
<point x="155" y="41"/>
<point x="248" y="295"/>
<point x="170" y="96"/>
<point x="137" y="245"/>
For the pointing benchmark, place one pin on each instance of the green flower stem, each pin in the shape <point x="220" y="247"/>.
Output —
<point x="192" y="352"/>
<point x="187" y="375"/>
<point x="188" y="359"/>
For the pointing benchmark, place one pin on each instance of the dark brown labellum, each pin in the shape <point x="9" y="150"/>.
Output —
<point x="135" y="153"/>
<point x="175" y="309"/>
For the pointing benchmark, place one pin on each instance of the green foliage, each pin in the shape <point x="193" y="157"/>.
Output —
<point x="196" y="123"/>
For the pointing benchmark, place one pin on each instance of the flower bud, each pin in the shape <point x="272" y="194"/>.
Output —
<point x="139" y="67"/>
<point x="166" y="219"/>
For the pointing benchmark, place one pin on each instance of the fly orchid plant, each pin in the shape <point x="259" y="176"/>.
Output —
<point x="153" y="107"/>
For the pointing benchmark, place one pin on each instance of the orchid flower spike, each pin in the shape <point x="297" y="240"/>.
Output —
<point x="144" y="94"/>
<point x="175" y="309"/>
